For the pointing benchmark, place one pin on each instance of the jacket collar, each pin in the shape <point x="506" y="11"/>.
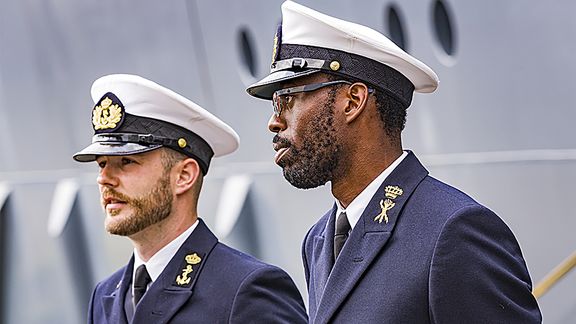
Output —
<point x="370" y="235"/>
<point x="172" y="288"/>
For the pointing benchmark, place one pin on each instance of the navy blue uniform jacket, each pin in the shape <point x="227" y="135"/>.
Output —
<point x="226" y="286"/>
<point x="440" y="258"/>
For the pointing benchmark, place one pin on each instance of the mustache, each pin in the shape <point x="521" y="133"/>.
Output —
<point x="282" y="141"/>
<point x="111" y="193"/>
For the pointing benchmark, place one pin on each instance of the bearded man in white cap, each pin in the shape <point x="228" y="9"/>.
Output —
<point x="153" y="148"/>
<point x="398" y="246"/>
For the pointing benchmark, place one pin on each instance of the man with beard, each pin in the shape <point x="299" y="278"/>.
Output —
<point x="153" y="148"/>
<point x="398" y="246"/>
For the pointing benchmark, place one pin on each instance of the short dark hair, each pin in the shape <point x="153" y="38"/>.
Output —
<point x="170" y="157"/>
<point x="392" y="112"/>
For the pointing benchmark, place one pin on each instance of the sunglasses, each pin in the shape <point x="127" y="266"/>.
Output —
<point x="281" y="99"/>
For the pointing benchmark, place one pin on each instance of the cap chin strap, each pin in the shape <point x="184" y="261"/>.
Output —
<point x="299" y="63"/>
<point x="135" y="138"/>
<point x="193" y="148"/>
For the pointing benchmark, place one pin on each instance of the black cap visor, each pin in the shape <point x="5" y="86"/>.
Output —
<point x="265" y="88"/>
<point x="90" y="153"/>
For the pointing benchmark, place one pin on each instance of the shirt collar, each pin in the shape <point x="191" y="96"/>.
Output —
<point x="160" y="260"/>
<point x="357" y="206"/>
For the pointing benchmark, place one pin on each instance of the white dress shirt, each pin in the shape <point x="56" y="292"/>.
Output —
<point x="160" y="260"/>
<point x="357" y="206"/>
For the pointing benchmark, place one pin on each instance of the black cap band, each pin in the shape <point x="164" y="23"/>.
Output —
<point x="379" y="75"/>
<point x="149" y="131"/>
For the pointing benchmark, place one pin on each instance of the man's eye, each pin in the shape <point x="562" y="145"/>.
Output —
<point x="126" y="161"/>
<point x="287" y="101"/>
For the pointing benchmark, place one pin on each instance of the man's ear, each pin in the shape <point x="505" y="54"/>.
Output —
<point x="357" y="96"/>
<point x="187" y="173"/>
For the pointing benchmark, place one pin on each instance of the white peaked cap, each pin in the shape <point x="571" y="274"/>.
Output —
<point x="327" y="38"/>
<point x="159" y="115"/>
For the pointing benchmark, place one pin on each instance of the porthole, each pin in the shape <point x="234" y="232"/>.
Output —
<point x="247" y="54"/>
<point x="443" y="27"/>
<point x="395" y="27"/>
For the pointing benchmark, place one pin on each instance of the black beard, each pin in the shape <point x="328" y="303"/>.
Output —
<point x="312" y="164"/>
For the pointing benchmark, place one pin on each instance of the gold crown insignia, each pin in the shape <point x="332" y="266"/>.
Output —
<point x="106" y="115"/>
<point x="193" y="258"/>
<point x="393" y="192"/>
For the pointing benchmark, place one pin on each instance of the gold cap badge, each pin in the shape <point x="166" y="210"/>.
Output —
<point x="277" y="44"/>
<point x="107" y="114"/>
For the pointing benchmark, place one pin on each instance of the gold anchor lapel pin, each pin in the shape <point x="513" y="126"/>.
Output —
<point x="191" y="263"/>
<point x="391" y="193"/>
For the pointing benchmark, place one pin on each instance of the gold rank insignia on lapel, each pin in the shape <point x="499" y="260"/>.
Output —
<point x="391" y="193"/>
<point x="192" y="261"/>
<point x="107" y="114"/>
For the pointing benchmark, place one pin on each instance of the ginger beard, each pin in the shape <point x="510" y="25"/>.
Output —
<point x="139" y="212"/>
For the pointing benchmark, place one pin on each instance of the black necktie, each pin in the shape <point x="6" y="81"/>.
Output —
<point x="341" y="233"/>
<point x="141" y="281"/>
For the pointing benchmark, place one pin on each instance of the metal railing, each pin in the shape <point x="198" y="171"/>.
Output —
<point x="555" y="275"/>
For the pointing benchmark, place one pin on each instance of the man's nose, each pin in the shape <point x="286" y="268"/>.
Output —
<point x="107" y="176"/>
<point x="276" y="123"/>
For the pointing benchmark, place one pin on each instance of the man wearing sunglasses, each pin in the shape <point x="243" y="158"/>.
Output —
<point x="398" y="246"/>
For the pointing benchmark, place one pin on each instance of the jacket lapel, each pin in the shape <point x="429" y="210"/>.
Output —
<point x="370" y="234"/>
<point x="176" y="284"/>
<point x="113" y="304"/>
<point x="323" y="257"/>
